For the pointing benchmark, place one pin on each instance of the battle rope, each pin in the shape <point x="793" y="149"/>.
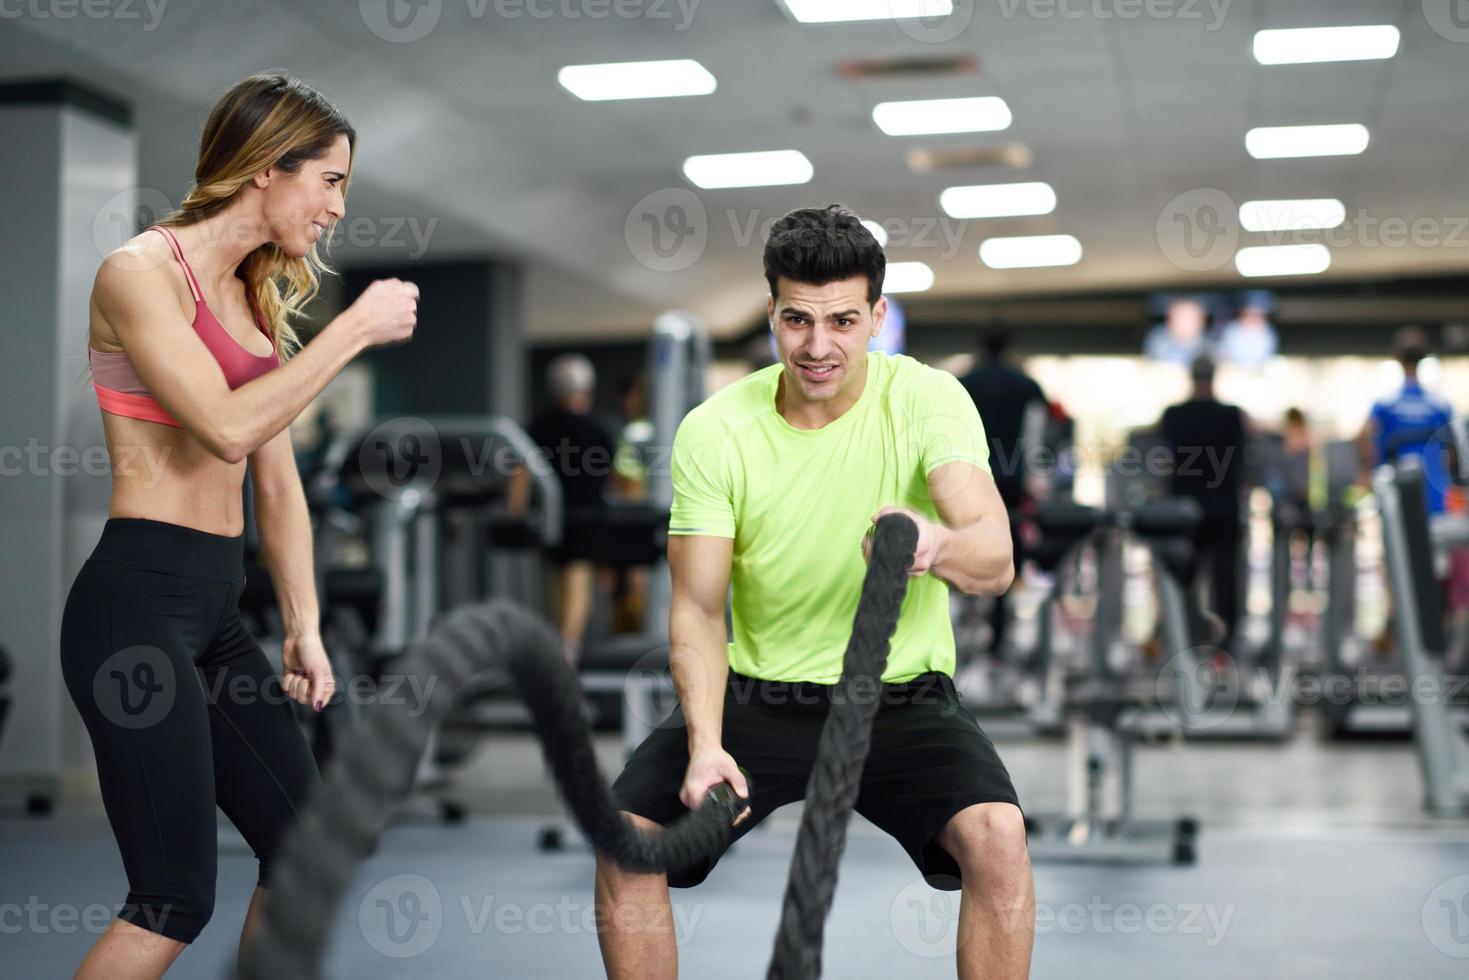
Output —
<point x="375" y="770"/>
<point x="845" y="737"/>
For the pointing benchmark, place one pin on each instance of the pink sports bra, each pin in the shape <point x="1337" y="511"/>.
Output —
<point x="121" y="392"/>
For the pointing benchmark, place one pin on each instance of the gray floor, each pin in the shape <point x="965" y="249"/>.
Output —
<point x="1307" y="781"/>
<point x="1314" y="862"/>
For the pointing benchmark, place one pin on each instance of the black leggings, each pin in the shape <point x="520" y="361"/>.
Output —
<point x="184" y="712"/>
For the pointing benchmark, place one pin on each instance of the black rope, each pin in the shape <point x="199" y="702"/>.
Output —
<point x="375" y="769"/>
<point x="841" y="753"/>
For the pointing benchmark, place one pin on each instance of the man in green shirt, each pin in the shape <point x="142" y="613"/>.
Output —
<point x="776" y="479"/>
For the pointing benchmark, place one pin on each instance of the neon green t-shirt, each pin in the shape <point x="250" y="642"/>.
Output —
<point x="797" y="503"/>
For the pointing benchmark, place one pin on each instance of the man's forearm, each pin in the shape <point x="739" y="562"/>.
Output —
<point x="285" y="549"/>
<point x="699" y="658"/>
<point x="977" y="559"/>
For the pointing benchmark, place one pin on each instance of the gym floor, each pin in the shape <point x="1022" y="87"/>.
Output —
<point x="1315" y="860"/>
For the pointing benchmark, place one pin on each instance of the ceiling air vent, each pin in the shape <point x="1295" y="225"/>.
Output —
<point x="922" y="161"/>
<point x="908" y="67"/>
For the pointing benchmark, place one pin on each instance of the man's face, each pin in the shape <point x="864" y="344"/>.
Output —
<point x="1186" y="319"/>
<point x="822" y="332"/>
<point x="1253" y="316"/>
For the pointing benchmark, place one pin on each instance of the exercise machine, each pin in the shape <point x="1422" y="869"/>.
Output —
<point x="1410" y="539"/>
<point x="1103" y="704"/>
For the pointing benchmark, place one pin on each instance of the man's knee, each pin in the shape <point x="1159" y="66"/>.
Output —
<point x="606" y="867"/>
<point x="987" y="836"/>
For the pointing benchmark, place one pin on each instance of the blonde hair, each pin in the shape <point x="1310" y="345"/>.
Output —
<point x="266" y="120"/>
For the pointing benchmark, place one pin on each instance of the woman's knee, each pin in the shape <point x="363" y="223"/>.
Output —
<point x="179" y="915"/>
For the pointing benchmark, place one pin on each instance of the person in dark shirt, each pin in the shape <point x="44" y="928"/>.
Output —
<point x="1014" y="412"/>
<point x="1207" y="439"/>
<point x="579" y="450"/>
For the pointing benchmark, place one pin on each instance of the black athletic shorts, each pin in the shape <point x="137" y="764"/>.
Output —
<point x="928" y="760"/>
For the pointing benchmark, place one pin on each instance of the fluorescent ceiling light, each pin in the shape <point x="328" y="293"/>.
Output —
<point x="1316" y="44"/>
<point x="1030" y="251"/>
<point x="982" y="114"/>
<point x="878" y="232"/>
<point x="1279" y="142"/>
<point x="636" y="80"/>
<point x="1282" y="260"/>
<point x="907" y="277"/>
<point x="998" y="200"/>
<point x="1291" y="215"/>
<point x="832" y="11"/>
<point x="761" y="169"/>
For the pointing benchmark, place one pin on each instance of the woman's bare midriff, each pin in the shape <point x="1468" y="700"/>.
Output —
<point x="164" y="474"/>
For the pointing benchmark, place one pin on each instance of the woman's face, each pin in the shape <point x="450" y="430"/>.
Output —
<point x="300" y="207"/>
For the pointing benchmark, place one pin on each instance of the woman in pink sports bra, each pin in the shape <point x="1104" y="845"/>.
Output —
<point x="198" y="374"/>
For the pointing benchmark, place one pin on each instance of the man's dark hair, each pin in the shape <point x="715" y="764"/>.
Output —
<point x="816" y="246"/>
<point x="995" y="342"/>
<point x="1201" y="369"/>
<point x="1409" y="346"/>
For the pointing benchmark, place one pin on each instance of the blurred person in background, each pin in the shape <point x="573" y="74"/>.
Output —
<point x="1412" y="422"/>
<point x="634" y="438"/>
<point x="1183" y="335"/>
<point x="1299" y="449"/>
<point x="1409" y="422"/>
<point x="1207" y="439"/>
<point x="1292" y="488"/>
<point x="1296" y="434"/>
<point x="629" y="586"/>
<point x="579" y="450"/>
<point x="1249" y="340"/>
<point x="1015" y="412"/>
